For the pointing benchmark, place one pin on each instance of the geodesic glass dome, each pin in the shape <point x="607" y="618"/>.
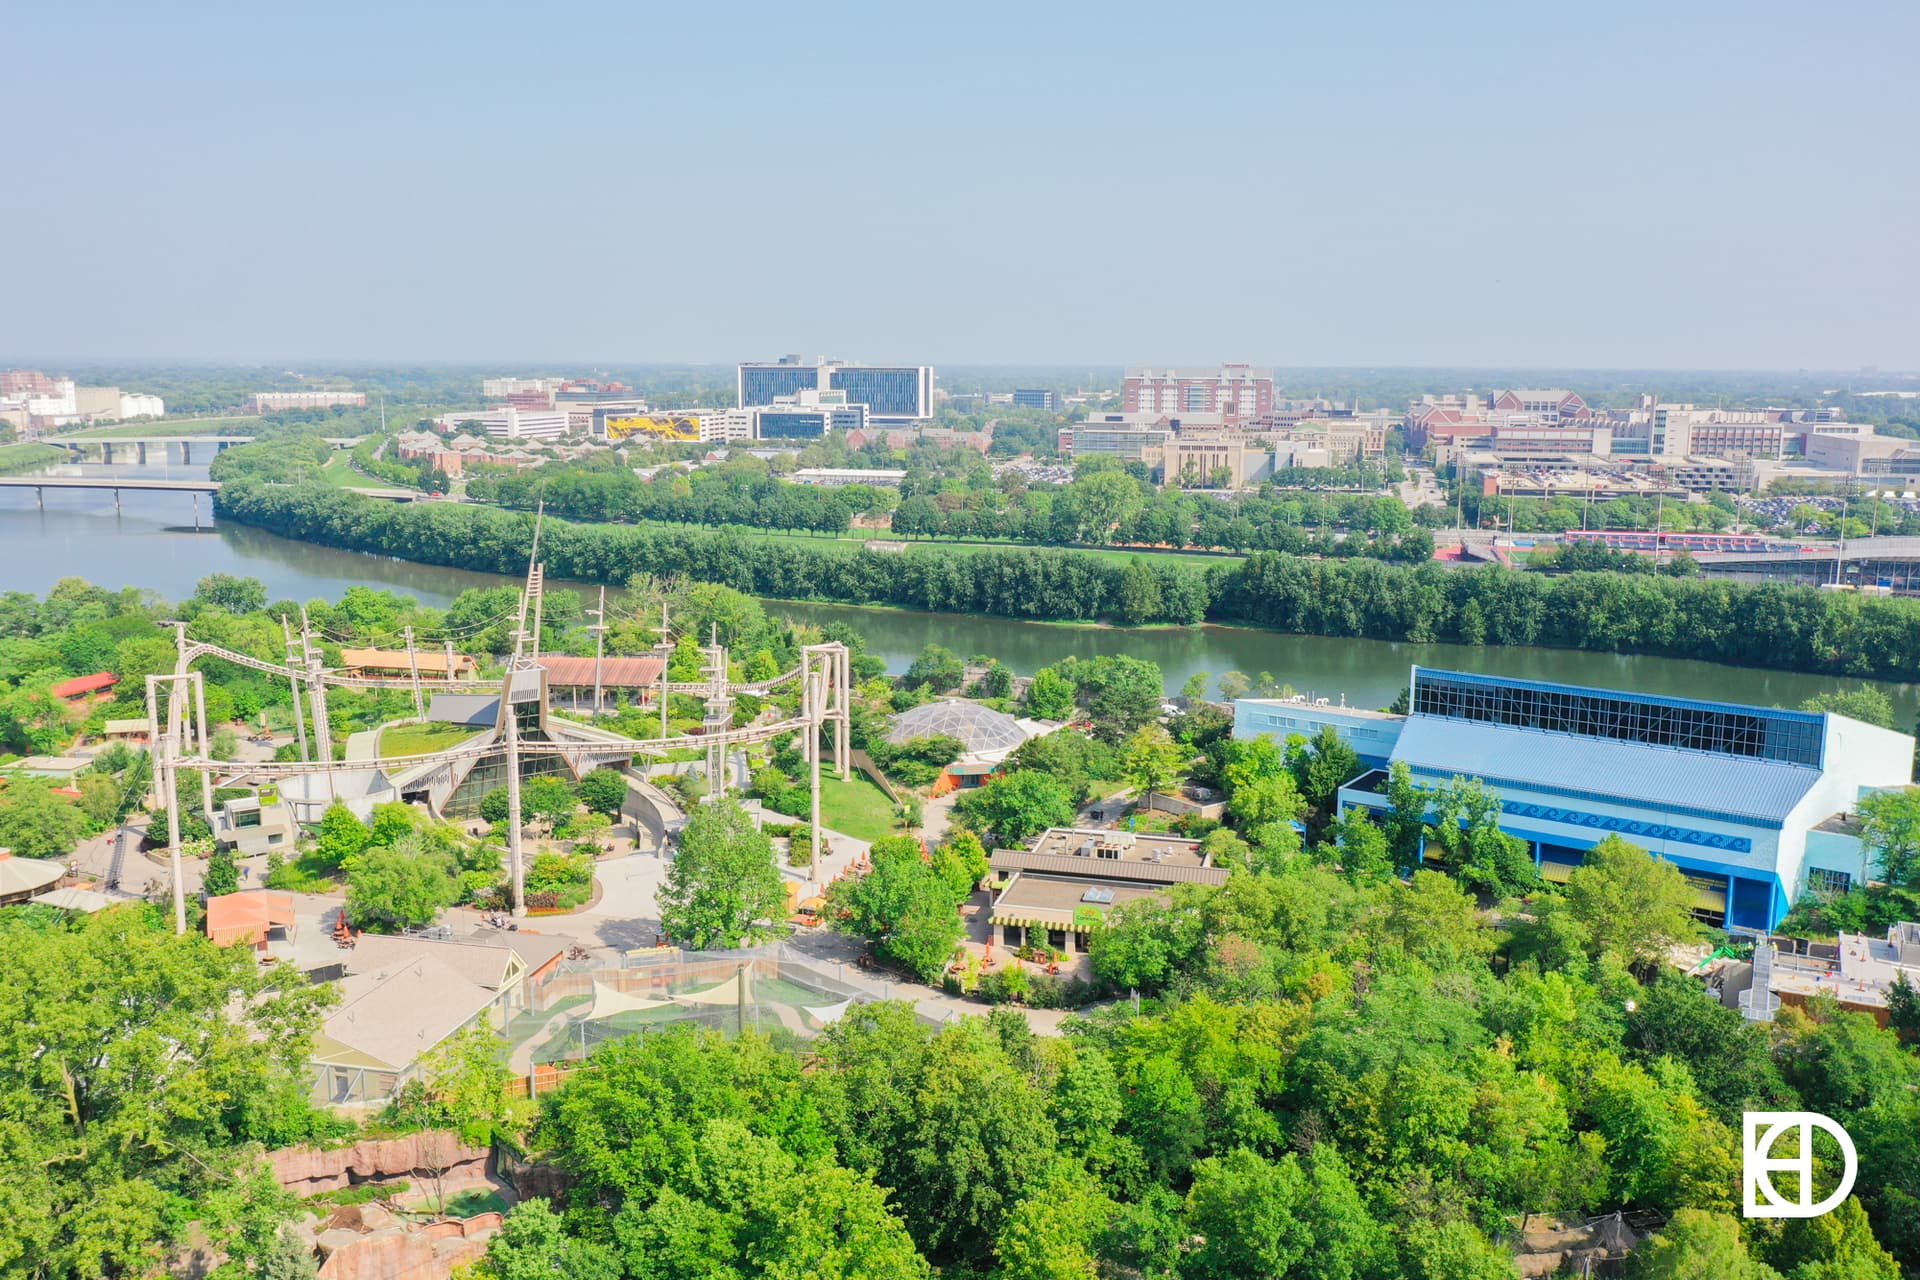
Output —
<point x="980" y="729"/>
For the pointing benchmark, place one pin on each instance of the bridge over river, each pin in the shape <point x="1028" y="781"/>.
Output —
<point x="138" y="445"/>
<point x="119" y="483"/>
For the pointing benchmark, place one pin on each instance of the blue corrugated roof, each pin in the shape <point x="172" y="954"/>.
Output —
<point x="1664" y="778"/>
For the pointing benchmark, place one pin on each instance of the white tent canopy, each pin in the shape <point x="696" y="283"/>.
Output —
<point x="727" y="992"/>
<point x="607" y="1002"/>
<point x="828" y="1013"/>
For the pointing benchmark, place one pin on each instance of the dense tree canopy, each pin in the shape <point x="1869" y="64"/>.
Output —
<point x="135" y="1068"/>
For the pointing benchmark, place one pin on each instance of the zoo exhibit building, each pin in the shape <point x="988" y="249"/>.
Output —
<point x="1752" y="803"/>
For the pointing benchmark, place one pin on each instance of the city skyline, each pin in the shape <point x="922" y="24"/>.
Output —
<point x="1714" y="188"/>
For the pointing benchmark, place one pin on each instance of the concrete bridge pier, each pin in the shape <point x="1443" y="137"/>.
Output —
<point x="186" y="453"/>
<point x="40" y="496"/>
<point x="196" y="512"/>
<point x="106" y="452"/>
<point x="140" y="452"/>
<point x="116" y="501"/>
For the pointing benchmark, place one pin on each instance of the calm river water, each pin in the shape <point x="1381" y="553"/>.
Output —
<point x="152" y="543"/>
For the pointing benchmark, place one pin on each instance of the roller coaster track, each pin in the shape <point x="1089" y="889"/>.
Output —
<point x="567" y="750"/>
<point x="203" y="649"/>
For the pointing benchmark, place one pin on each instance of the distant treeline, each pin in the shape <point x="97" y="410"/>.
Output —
<point x="1768" y="625"/>
<point x="1017" y="583"/>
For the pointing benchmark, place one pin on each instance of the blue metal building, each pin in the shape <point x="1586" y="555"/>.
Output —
<point x="1750" y="802"/>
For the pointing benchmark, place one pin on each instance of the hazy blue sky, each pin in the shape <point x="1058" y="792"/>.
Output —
<point x="1668" y="185"/>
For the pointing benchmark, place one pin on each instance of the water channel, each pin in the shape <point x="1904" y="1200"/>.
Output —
<point x="152" y="542"/>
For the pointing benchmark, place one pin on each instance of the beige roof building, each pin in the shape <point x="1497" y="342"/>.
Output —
<point x="21" y="878"/>
<point x="1061" y="887"/>
<point x="403" y="996"/>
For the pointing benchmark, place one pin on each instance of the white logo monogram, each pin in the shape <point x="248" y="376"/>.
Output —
<point x="1759" y="1132"/>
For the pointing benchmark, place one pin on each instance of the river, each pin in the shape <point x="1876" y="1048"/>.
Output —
<point x="151" y="542"/>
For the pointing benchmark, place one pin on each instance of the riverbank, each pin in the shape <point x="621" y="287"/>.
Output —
<point x="150" y="544"/>
<point x="173" y="428"/>
<point x="1766" y="625"/>
<point x="18" y="458"/>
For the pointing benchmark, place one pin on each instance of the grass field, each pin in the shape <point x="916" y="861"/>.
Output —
<point x="855" y="807"/>
<point x="853" y="540"/>
<point x="28" y="457"/>
<point x="339" y="473"/>
<point x="419" y="739"/>
<point x="171" y="427"/>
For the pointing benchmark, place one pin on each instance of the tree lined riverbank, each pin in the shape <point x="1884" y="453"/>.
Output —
<point x="1765" y="625"/>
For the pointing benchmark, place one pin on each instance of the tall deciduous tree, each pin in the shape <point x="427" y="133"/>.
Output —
<point x="221" y="876"/>
<point x="722" y="884"/>
<point x="1018" y="806"/>
<point x="1322" y="764"/>
<point x="1357" y="844"/>
<point x="341" y="835"/>
<point x="1630" y="902"/>
<point x="394" y="886"/>
<point x="464" y="1084"/>
<point x="1154" y="761"/>
<point x="35" y="823"/>
<point x="231" y="593"/>
<point x="1260" y="790"/>
<point x="1050" y="695"/>
<point x="548" y="799"/>
<point x="903" y="907"/>
<point x="1865" y="703"/>
<point x="1054" y="1232"/>
<point x="533" y="1244"/>
<point x="1466" y="824"/>
<point x="1890" y="826"/>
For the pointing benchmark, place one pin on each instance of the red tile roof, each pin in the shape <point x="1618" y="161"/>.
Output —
<point x="85" y="684"/>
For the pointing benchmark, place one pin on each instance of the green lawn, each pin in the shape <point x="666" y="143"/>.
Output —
<point x="420" y="739"/>
<point x="855" y="807"/>
<point x="338" y="471"/>
<point x="241" y="426"/>
<point x="780" y="991"/>
<point x="29" y="457"/>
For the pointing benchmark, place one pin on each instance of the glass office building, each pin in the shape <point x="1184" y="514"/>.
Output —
<point x="792" y="424"/>
<point x="805" y="422"/>
<point x="893" y="394"/>
<point x="905" y="393"/>
<point x="764" y="383"/>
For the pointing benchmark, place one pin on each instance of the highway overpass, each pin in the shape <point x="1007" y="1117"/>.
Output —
<point x="1892" y="563"/>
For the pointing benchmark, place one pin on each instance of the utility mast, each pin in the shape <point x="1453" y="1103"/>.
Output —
<point x="413" y="667"/>
<point x="599" y="630"/>
<point x="522" y="684"/>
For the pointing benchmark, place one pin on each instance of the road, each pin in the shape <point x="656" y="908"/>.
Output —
<point x="1421" y="489"/>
